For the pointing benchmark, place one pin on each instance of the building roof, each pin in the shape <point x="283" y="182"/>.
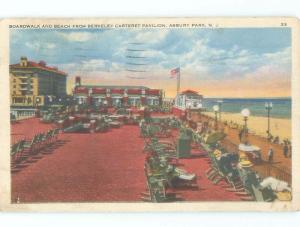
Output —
<point x="114" y="86"/>
<point x="41" y="65"/>
<point x="189" y="92"/>
<point x="131" y="90"/>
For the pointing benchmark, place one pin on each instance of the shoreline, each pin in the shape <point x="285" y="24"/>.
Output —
<point x="278" y="126"/>
<point x="271" y="117"/>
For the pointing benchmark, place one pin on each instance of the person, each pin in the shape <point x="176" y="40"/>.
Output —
<point x="240" y="134"/>
<point x="285" y="150"/>
<point x="270" y="155"/>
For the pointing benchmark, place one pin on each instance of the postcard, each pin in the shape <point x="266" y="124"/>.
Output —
<point x="150" y="114"/>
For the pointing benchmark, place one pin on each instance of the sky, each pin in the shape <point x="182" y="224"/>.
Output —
<point x="220" y="62"/>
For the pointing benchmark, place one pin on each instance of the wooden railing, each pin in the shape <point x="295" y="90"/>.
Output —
<point x="267" y="170"/>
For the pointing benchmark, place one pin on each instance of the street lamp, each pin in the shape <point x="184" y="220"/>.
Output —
<point x="189" y="105"/>
<point x="199" y="110"/>
<point x="246" y="113"/>
<point x="268" y="106"/>
<point x="220" y="109"/>
<point x="216" y="110"/>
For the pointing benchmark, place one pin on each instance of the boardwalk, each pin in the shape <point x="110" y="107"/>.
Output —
<point x="99" y="167"/>
<point x="280" y="163"/>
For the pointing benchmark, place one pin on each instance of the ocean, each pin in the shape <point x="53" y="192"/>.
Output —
<point x="281" y="106"/>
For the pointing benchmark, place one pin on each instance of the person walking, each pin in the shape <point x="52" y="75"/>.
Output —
<point x="285" y="150"/>
<point x="270" y="155"/>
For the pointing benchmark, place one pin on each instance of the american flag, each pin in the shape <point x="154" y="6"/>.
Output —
<point x="175" y="72"/>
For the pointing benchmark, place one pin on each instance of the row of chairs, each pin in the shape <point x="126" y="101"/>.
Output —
<point x="244" y="182"/>
<point x="159" y="156"/>
<point x="23" y="149"/>
<point x="161" y="172"/>
<point x="156" y="127"/>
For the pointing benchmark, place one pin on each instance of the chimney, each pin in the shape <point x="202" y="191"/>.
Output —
<point x="77" y="81"/>
<point x="23" y="61"/>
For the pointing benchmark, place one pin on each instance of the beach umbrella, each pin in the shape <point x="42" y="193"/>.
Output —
<point x="215" y="137"/>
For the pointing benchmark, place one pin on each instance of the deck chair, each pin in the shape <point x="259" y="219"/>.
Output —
<point x="31" y="146"/>
<point x="157" y="190"/>
<point x="213" y="173"/>
<point x="264" y="195"/>
<point x="50" y="136"/>
<point x="14" y="149"/>
<point x="45" y="138"/>
<point x="41" y="141"/>
<point x="17" y="151"/>
<point x="246" y="188"/>
<point x="257" y="194"/>
<point x="55" y="134"/>
<point x="155" y="185"/>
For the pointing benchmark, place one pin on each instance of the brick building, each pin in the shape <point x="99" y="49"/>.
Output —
<point x="116" y="95"/>
<point x="33" y="84"/>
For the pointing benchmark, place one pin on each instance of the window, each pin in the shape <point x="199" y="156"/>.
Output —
<point x="156" y="102"/>
<point x="134" y="101"/>
<point x="19" y="100"/>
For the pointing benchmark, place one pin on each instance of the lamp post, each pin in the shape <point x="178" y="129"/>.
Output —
<point x="220" y="109"/>
<point x="216" y="110"/>
<point x="189" y="105"/>
<point x="245" y="113"/>
<point x="199" y="111"/>
<point x="268" y="106"/>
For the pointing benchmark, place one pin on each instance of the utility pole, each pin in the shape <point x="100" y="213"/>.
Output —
<point x="268" y="106"/>
<point x="178" y="82"/>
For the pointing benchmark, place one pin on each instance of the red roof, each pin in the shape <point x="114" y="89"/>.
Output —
<point x="117" y="91"/>
<point x="152" y="92"/>
<point x="98" y="90"/>
<point x="81" y="90"/>
<point x="134" y="91"/>
<point x="41" y="65"/>
<point x="189" y="92"/>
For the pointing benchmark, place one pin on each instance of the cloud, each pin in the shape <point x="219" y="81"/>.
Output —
<point x="39" y="46"/>
<point x="50" y="45"/>
<point x="34" y="46"/>
<point x="151" y="36"/>
<point x="205" y="56"/>
<point x="76" y="36"/>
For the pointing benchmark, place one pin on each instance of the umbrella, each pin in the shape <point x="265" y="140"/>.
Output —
<point x="215" y="137"/>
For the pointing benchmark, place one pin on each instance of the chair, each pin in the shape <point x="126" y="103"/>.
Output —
<point x="55" y="134"/>
<point x="17" y="151"/>
<point x="31" y="146"/>
<point x="14" y="149"/>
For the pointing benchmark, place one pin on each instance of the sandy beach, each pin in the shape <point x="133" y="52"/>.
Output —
<point x="278" y="126"/>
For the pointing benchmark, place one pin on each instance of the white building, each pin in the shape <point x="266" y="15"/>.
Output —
<point x="187" y="100"/>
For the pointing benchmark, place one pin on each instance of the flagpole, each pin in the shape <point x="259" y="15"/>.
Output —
<point x="178" y="82"/>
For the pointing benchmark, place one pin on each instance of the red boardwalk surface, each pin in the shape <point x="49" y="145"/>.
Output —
<point x="27" y="129"/>
<point x="98" y="167"/>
